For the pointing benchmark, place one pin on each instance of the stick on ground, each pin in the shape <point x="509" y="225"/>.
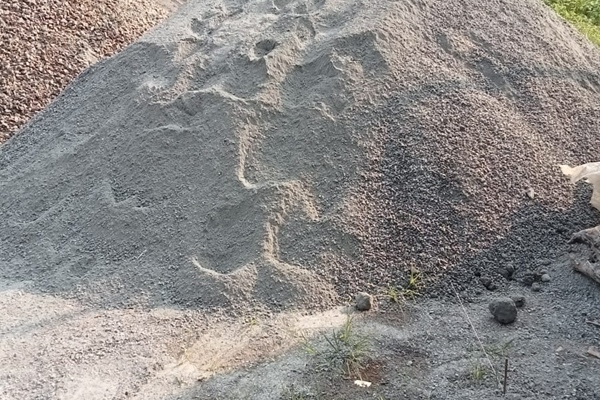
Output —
<point x="595" y="323"/>
<point x="505" y="375"/>
<point x="587" y="269"/>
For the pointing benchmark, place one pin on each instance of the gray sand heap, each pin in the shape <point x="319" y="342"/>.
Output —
<point x="288" y="152"/>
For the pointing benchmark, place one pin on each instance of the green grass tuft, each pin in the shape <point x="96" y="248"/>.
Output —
<point x="393" y="294"/>
<point x="478" y="372"/>
<point x="414" y="285"/>
<point x="583" y="14"/>
<point x="346" y="351"/>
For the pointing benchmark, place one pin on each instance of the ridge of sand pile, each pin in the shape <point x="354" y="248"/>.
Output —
<point x="273" y="151"/>
<point x="44" y="44"/>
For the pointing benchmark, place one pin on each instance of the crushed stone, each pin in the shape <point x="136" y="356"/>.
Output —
<point x="44" y="44"/>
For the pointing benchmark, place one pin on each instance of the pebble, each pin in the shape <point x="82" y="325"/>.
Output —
<point x="546" y="278"/>
<point x="530" y="193"/>
<point x="528" y="279"/>
<point x="504" y="310"/>
<point x="488" y="283"/>
<point x="363" y="301"/>
<point x="536" y="287"/>
<point x="519" y="300"/>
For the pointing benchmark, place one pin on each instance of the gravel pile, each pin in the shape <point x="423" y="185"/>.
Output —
<point x="463" y="183"/>
<point x="287" y="153"/>
<point x="44" y="44"/>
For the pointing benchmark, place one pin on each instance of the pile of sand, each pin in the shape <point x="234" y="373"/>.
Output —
<point x="286" y="152"/>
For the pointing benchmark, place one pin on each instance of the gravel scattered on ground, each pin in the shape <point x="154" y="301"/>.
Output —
<point x="258" y="156"/>
<point x="44" y="44"/>
<point x="439" y="127"/>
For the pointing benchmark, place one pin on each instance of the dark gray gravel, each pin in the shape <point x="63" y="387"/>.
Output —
<point x="466" y="131"/>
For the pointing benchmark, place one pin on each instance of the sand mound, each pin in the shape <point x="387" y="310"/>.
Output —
<point x="272" y="151"/>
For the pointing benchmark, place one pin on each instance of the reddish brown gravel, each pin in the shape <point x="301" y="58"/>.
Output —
<point x="44" y="44"/>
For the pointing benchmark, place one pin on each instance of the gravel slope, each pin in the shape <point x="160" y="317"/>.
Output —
<point x="44" y="44"/>
<point x="463" y="179"/>
<point x="248" y="153"/>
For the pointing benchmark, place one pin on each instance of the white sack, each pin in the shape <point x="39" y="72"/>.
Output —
<point x="591" y="173"/>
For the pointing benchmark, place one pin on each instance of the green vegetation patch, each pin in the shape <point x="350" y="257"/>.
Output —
<point x="583" y="14"/>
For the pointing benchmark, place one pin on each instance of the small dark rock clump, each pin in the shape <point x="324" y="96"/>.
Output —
<point x="504" y="310"/>
<point x="488" y="283"/>
<point x="519" y="300"/>
<point x="507" y="272"/>
<point x="528" y="279"/>
<point x="363" y="301"/>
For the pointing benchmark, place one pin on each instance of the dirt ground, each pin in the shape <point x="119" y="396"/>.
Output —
<point x="52" y="348"/>
<point x="429" y="350"/>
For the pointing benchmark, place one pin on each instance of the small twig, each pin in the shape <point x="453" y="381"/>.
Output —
<point x="140" y="256"/>
<point x="505" y="375"/>
<point x="595" y="323"/>
<point x="592" y="351"/>
<point x="464" y="310"/>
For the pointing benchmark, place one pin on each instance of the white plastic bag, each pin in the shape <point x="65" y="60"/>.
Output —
<point x="591" y="173"/>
